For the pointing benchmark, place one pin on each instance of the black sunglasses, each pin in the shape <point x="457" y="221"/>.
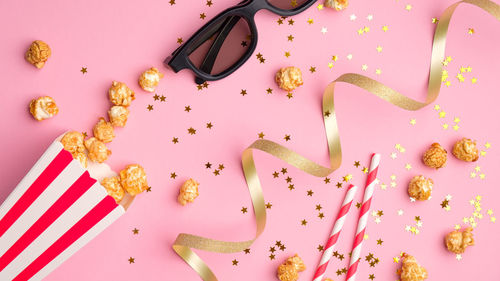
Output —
<point x="215" y="51"/>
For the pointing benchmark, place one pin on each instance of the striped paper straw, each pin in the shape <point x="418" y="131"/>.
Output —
<point x="363" y="218"/>
<point x="339" y="222"/>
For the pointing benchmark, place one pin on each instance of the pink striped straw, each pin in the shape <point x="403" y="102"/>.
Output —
<point x="363" y="218"/>
<point x="339" y="222"/>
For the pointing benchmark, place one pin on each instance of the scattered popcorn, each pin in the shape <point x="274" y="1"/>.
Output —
<point x="188" y="192"/>
<point x="435" y="156"/>
<point x="338" y="5"/>
<point x="289" y="270"/>
<point x="466" y="150"/>
<point x="120" y="94"/>
<point x="411" y="270"/>
<point x="133" y="179"/>
<point x="456" y="241"/>
<point x="43" y="108"/>
<point x="38" y="53"/>
<point x="73" y="143"/>
<point x="103" y="131"/>
<point x="114" y="188"/>
<point x="118" y="115"/>
<point x="149" y="79"/>
<point x="98" y="152"/>
<point x="81" y="157"/>
<point x="289" y="78"/>
<point x="420" y="188"/>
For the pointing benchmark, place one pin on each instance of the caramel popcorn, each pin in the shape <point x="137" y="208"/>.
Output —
<point x="114" y="188"/>
<point x="289" y="78"/>
<point x="466" y="150"/>
<point x="338" y="5"/>
<point x="287" y="272"/>
<point x="103" y="131"/>
<point x="133" y="179"/>
<point x="98" y="152"/>
<point x="120" y="94"/>
<point x="420" y="188"/>
<point x="38" y="53"/>
<point x="188" y="192"/>
<point x="81" y="157"/>
<point x="456" y="241"/>
<point x="73" y="142"/>
<point x="43" y="108"/>
<point x="411" y="270"/>
<point x="118" y="115"/>
<point x="435" y="156"/>
<point x="149" y="79"/>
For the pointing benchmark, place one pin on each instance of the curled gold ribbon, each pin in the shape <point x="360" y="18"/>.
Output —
<point x="184" y="243"/>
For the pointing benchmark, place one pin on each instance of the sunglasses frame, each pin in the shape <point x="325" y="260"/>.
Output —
<point x="244" y="10"/>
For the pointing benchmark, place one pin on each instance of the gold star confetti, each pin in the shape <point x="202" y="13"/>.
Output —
<point x="150" y="107"/>
<point x="435" y="20"/>
<point x="473" y="80"/>
<point x="312" y="69"/>
<point x="290" y="38"/>
<point x="135" y="231"/>
<point x="244" y="210"/>
<point x="84" y="134"/>
<point x="287" y="54"/>
<point x="310" y="193"/>
<point x="339" y="185"/>
<point x="318" y="207"/>
<point x="187" y="108"/>
<point x="310" y="21"/>
<point x="156" y="97"/>
<point x="379" y="49"/>
<point x="321" y="215"/>
<point x="261" y="135"/>
<point x="379" y="241"/>
<point x="272" y="256"/>
<point x="320" y="7"/>
<point x="290" y="22"/>
<point x="131" y="260"/>
<point x="247" y="251"/>
<point x="269" y="90"/>
<point x="287" y="137"/>
<point x="289" y="95"/>
<point x="303" y="222"/>
<point x="162" y="98"/>
<point x="470" y="31"/>
<point x="179" y="40"/>
<point x="378" y="71"/>
<point x="291" y="187"/>
<point x="408" y="7"/>
<point x="364" y="67"/>
<point x="216" y="172"/>
<point x="413" y="121"/>
<point x="209" y="125"/>
<point x="385" y="28"/>
<point x="284" y="171"/>
<point x="173" y="175"/>
<point x="172" y="2"/>
<point x="235" y="262"/>
<point x="269" y="205"/>
<point x="202" y="16"/>
<point x="356" y="164"/>
<point x="326" y="180"/>
<point x="330" y="65"/>
<point x="408" y="166"/>
<point x="175" y="140"/>
<point x="191" y="131"/>
<point x="83" y="70"/>
<point x="209" y="3"/>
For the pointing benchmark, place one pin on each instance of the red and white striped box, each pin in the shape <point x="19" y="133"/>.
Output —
<point x="56" y="209"/>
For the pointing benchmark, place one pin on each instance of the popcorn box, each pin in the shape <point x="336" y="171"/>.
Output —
<point x="56" y="209"/>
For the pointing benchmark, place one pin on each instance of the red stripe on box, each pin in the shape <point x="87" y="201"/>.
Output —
<point x="88" y="221"/>
<point x="55" y="167"/>
<point x="76" y="190"/>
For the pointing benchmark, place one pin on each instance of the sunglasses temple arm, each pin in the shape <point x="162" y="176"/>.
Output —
<point x="209" y="61"/>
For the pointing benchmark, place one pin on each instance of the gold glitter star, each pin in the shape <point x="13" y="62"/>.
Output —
<point x="235" y="262"/>
<point x="310" y="193"/>
<point x="247" y="251"/>
<point x="287" y="137"/>
<point x="187" y="108"/>
<point x="216" y="172"/>
<point x="320" y="248"/>
<point x="327" y="113"/>
<point x="312" y="69"/>
<point x="243" y="92"/>
<point x="379" y="241"/>
<point x="284" y="171"/>
<point x="435" y="20"/>
<point x="276" y="174"/>
<point x="347" y="178"/>
<point x="191" y="131"/>
<point x="162" y="98"/>
<point x="318" y="207"/>
<point x="173" y="175"/>
<point x="290" y="22"/>
<point x="208" y="165"/>
<point x="339" y="184"/>
<point x="321" y="215"/>
<point x="83" y="70"/>
<point x="356" y="164"/>
<point x="470" y="31"/>
<point x="179" y="40"/>
<point x="209" y="125"/>
<point x="272" y="256"/>
<point x="303" y="222"/>
<point x="135" y="231"/>
<point x="261" y="135"/>
<point x="291" y="187"/>
<point x="269" y="205"/>
<point x="221" y="167"/>
<point x="244" y="210"/>
<point x="131" y="260"/>
<point x="385" y="28"/>
<point x="326" y="180"/>
<point x="320" y="7"/>
<point x="310" y="21"/>
<point x="379" y="49"/>
<point x="269" y="90"/>
<point x="413" y="121"/>
<point x="150" y="107"/>
<point x="148" y="189"/>
<point x="272" y="249"/>
<point x="280" y="21"/>
<point x="408" y="7"/>
<point x="289" y="95"/>
<point x="287" y="54"/>
<point x="202" y="16"/>
<point x="290" y="38"/>
<point x="175" y="140"/>
<point x="209" y="3"/>
<point x="371" y="276"/>
<point x="156" y="97"/>
<point x="172" y="2"/>
<point x="288" y="179"/>
<point x="84" y="134"/>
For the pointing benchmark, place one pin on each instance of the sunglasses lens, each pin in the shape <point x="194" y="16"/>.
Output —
<point x="288" y="4"/>
<point x="220" y="46"/>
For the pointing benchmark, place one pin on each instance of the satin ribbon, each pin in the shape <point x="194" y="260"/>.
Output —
<point x="184" y="243"/>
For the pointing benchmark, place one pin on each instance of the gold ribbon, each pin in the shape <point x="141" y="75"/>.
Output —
<point x="184" y="243"/>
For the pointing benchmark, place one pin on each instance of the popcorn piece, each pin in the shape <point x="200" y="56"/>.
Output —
<point x="420" y="188"/>
<point x="98" y="152"/>
<point x="103" y="131"/>
<point x="188" y="192"/>
<point x="114" y="188"/>
<point x="149" y="79"/>
<point x="338" y="5"/>
<point x="43" y="108"/>
<point x="73" y="142"/>
<point x="435" y="156"/>
<point x="38" y="53"/>
<point x="297" y="262"/>
<point x="133" y="179"/>
<point x="118" y="115"/>
<point x="411" y="270"/>
<point x="80" y="156"/>
<point x="287" y="272"/>
<point x="120" y="94"/>
<point x="456" y="241"/>
<point x="289" y="78"/>
<point x="466" y="150"/>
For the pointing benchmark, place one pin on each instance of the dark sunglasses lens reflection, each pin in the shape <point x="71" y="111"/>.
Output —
<point x="288" y="4"/>
<point x="221" y="45"/>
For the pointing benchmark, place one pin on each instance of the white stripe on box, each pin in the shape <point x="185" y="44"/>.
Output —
<point x="60" y="184"/>
<point x="84" y="239"/>
<point x="30" y="177"/>
<point x="69" y="218"/>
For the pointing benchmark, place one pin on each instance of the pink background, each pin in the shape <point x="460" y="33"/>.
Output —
<point x="117" y="40"/>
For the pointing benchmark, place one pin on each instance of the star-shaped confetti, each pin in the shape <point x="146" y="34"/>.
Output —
<point x="83" y="70"/>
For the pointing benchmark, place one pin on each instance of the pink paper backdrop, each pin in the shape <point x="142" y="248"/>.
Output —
<point x="117" y="40"/>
